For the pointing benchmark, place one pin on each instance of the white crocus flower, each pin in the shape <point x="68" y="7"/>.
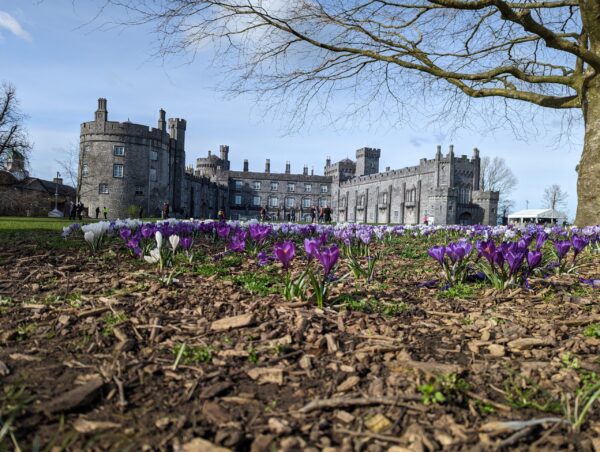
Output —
<point x="174" y="241"/>
<point x="158" y="237"/>
<point x="154" y="255"/>
<point x="89" y="237"/>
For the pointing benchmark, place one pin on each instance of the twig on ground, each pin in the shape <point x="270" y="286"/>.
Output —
<point x="347" y="402"/>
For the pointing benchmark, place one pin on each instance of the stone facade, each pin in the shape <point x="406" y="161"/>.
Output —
<point x="126" y="166"/>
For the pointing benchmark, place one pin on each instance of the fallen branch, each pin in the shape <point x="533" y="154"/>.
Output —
<point x="341" y="402"/>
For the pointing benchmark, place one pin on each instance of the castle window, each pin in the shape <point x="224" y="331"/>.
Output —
<point x="85" y="170"/>
<point x="290" y="202"/>
<point x="153" y="155"/>
<point x="306" y="202"/>
<point x="152" y="174"/>
<point x="117" y="170"/>
<point x="324" y="188"/>
<point x="307" y="188"/>
<point x="119" y="150"/>
<point x="291" y="187"/>
<point x="361" y="201"/>
<point x="384" y="198"/>
<point x="322" y="202"/>
<point x="139" y="190"/>
<point x="273" y="201"/>
<point x="238" y="184"/>
<point x="256" y="185"/>
<point x="103" y="189"/>
<point x="274" y="186"/>
<point x="237" y="200"/>
<point x="256" y="200"/>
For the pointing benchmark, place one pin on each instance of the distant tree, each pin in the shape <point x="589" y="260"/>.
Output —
<point x="554" y="197"/>
<point x="72" y="164"/>
<point x="513" y="53"/>
<point x="496" y="175"/>
<point x="13" y="136"/>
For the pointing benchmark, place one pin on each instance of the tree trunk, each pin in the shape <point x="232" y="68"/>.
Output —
<point x="588" y="182"/>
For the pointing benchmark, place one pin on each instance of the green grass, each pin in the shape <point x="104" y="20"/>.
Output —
<point x="35" y="223"/>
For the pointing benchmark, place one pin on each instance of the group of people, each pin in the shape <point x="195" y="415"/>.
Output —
<point x="76" y="210"/>
<point x="322" y="215"/>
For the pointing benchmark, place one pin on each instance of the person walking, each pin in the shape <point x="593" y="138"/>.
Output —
<point x="105" y="212"/>
<point x="321" y="213"/>
<point x="221" y="215"/>
<point x="80" y="208"/>
<point x="327" y="214"/>
<point x="97" y="212"/>
<point x="313" y="214"/>
<point x="141" y="212"/>
<point x="263" y="213"/>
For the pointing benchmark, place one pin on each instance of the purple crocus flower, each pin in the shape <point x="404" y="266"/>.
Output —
<point x="534" y="258"/>
<point x="186" y="242"/>
<point x="437" y="252"/>
<point x="285" y="252"/>
<point x="237" y="243"/>
<point x="487" y="249"/>
<point x="259" y="232"/>
<point x="562" y="247"/>
<point x="311" y="246"/>
<point x="263" y="258"/>
<point x="328" y="257"/>
<point x="579" y="243"/>
<point x="514" y="259"/>
<point x="541" y="239"/>
<point x="125" y="233"/>
<point x="148" y="231"/>
<point x="223" y="229"/>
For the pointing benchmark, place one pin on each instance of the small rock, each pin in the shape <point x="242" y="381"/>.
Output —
<point x="378" y="423"/>
<point x="305" y="362"/>
<point x="527" y="343"/>
<point x="485" y="335"/>
<point x="497" y="350"/>
<point x="261" y="443"/>
<point x="64" y="320"/>
<point x="35" y="287"/>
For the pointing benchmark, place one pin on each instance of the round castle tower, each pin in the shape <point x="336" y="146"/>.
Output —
<point x="126" y="167"/>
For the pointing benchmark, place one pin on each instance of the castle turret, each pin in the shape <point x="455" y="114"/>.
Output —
<point x="224" y="154"/>
<point x="162" y="122"/>
<point x="476" y="169"/>
<point x="287" y="168"/>
<point x="367" y="161"/>
<point x="268" y="166"/>
<point x="177" y="158"/>
<point x="245" y="165"/>
<point x="101" y="113"/>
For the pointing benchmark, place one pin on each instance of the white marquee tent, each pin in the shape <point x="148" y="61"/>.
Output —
<point x="537" y="216"/>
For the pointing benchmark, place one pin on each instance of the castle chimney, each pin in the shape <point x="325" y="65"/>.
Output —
<point x="209" y="153"/>
<point x="287" y="167"/>
<point x="328" y="161"/>
<point x="162" y="121"/>
<point x="101" y="113"/>
<point x="268" y="166"/>
<point x="245" y="165"/>
<point x="387" y="168"/>
<point x="58" y="180"/>
<point x="312" y="171"/>
<point x="438" y="153"/>
<point x="305" y="171"/>
<point x="475" y="153"/>
<point x="452" y="150"/>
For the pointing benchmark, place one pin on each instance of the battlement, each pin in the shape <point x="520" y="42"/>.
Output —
<point x="368" y="152"/>
<point x="123" y="128"/>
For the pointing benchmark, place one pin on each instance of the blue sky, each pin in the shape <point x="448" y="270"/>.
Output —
<point x="61" y="64"/>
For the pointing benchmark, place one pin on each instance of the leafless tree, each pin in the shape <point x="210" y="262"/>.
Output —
<point x="496" y="175"/>
<point x="73" y="167"/>
<point x="542" y="53"/>
<point x="554" y="197"/>
<point x="13" y="136"/>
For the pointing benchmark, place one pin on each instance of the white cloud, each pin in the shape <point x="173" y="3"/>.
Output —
<point x="11" y="24"/>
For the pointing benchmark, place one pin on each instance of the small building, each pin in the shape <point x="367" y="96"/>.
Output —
<point x="537" y="216"/>
<point x="22" y="195"/>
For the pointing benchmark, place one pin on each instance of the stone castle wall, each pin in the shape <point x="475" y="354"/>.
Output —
<point x="445" y="188"/>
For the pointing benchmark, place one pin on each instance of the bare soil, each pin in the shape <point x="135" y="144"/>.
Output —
<point x="91" y="358"/>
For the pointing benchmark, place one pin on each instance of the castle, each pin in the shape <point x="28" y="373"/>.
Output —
<point x="130" y="167"/>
